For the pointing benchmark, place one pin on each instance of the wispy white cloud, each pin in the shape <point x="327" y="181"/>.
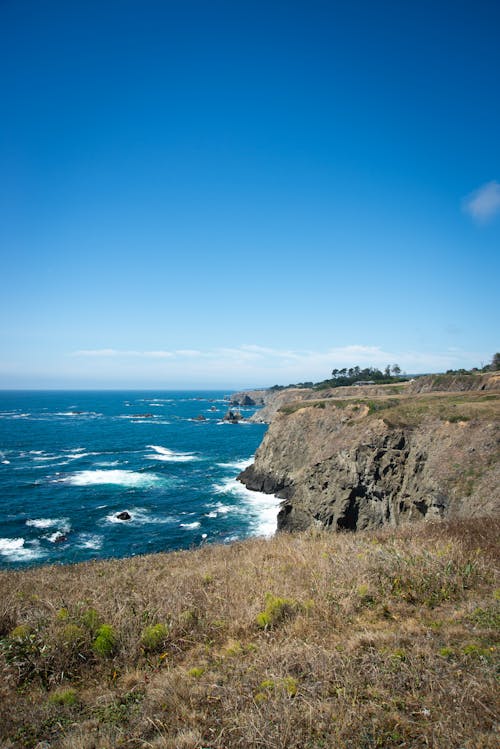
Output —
<point x="259" y="365"/>
<point x="484" y="203"/>
<point x="123" y="353"/>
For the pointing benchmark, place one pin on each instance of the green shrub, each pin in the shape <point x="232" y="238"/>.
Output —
<point x="64" y="696"/>
<point x="153" y="637"/>
<point x="446" y="652"/>
<point x="106" y="641"/>
<point x="477" y="651"/>
<point x="276" y="611"/>
<point x="21" y="632"/>
<point x="289" y="685"/>
<point x="196" y="672"/>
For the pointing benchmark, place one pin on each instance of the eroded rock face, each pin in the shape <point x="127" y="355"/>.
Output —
<point x="347" y="469"/>
<point x="250" y="398"/>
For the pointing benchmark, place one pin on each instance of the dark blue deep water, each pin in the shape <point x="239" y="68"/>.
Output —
<point x="71" y="461"/>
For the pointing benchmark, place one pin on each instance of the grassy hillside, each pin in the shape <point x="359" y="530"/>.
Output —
<point x="385" y="639"/>
<point x="411" y="411"/>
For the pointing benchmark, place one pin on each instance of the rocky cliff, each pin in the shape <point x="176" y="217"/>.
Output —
<point x="361" y="462"/>
<point x="251" y="397"/>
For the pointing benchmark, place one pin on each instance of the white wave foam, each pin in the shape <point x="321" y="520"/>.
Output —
<point x="40" y="458"/>
<point x="89" y="541"/>
<point x="76" y="456"/>
<point x="109" y="463"/>
<point x="55" y="537"/>
<point x="190" y="526"/>
<point x="14" y="549"/>
<point x="164" y="454"/>
<point x="231" y="539"/>
<point x="263" y="508"/>
<point x="237" y="465"/>
<point x="139" y="516"/>
<point x="6" y="462"/>
<point x="62" y="524"/>
<point x="78" y="413"/>
<point x="211" y="514"/>
<point x="117" y="477"/>
<point x="225" y="509"/>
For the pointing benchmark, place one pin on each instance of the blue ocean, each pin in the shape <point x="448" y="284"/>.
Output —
<point x="71" y="462"/>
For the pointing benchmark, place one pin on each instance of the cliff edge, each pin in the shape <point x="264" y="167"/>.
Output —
<point x="350" y="463"/>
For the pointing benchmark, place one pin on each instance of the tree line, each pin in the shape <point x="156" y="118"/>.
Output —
<point x="392" y="373"/>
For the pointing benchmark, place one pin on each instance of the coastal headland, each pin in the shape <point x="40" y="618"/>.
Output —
<point x="361" y="457"/>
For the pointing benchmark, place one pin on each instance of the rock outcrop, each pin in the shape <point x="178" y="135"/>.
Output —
<point x="124" y="515"/>
<point x="357" y="463"/>
<point x="232" y="416"/>
<point x="250" y="398"/>
<point x="455" y="382"/>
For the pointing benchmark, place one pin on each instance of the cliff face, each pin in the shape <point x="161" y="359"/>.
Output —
<point x="360" y="463"/>
<point x="251" y="397"/>
<point x="455" y="383"/>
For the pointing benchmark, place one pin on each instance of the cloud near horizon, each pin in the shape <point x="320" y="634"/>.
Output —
<point x="261" y="365"/>
<point x="484" y="203"/>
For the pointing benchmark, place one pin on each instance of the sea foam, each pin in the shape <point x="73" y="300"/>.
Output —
<point x="89" y="541"/>
<point x="62" y="524"/>
<point x="140" y="516"/>
<point x="263" y="507"/>
<point x="117" y="477"/>
<point x="237" y="465"/>
<point x="14" y="549"/>
<point x="164" y="454"/>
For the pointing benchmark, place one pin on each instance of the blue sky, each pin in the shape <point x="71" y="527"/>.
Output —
<point x="231" y="194"/>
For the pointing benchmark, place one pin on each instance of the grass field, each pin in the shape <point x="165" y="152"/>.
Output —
<point x="386" y="639"/>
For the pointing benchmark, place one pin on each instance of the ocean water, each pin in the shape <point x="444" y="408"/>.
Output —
<point x="71" y="461"/>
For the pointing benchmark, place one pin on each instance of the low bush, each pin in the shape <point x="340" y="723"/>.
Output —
<point x="153" y="637"/>
<point x="276" y="611"/>
<point x="105" y="643"/>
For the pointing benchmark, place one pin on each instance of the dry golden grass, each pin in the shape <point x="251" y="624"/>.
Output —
<point x="413" y="409"/>
<point x="384" y="639"/>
